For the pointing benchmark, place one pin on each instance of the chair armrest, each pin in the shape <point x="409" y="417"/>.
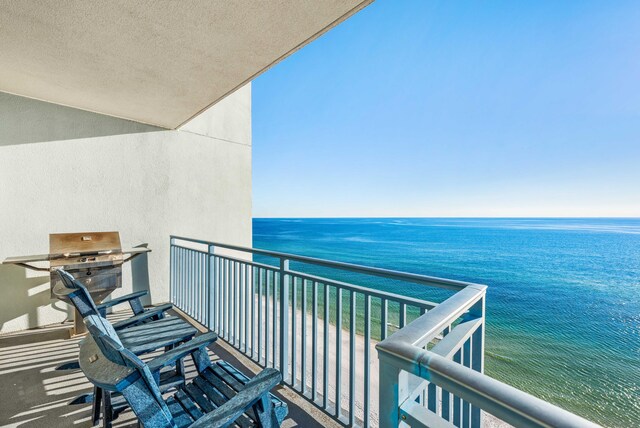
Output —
<point x="181" y="351"/>
<point x="256" y="389"/>
<point x="122" y="299"/>
<point x="144" y="316"/>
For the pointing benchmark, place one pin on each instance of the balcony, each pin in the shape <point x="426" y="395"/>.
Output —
<point x="350" y="354"/>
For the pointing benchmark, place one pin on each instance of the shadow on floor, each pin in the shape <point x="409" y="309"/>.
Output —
<point x="34" y="394"/>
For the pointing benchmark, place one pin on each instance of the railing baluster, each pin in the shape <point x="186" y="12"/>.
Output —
<point x="303" y="357"/>
<point x="267" y="326"/>
<point x="247" y="298"/>
<point x="234" y="303"/>
<point x="402" y="315"/>
<point x="457" y="401"/>
<point x="216" y="292"/>
<point x="251" y="272"/>
<point x="314" y="342"/>
<point x="195" y="302"/>
<point x="446" y="405"/>
<point x="176" y="276"/>
<point x="352" y="359"/>
<point x="219" y="270"/>
<point x="221" y="293"/>
<point x="325" y="355"/>
<point x="230" y="301"/>
<point x="338" y="351"/>
<point x="477" y="356"/>
<point x="294" y="317"/>
<point x="431" y="397"/>
<point x="367" y="345"/>
<point x="210" y="286"/>
<point x="227" y="298"/>
<point x="197" y="294"/>
<point x="384" y="322"/>
<point x="201" y="296"/>
<point x="192" y="283"/>
<point x="260" y="276"/>
<point x="274" y="332"/>
<point x="188" y="273"/>
<point x="239" y="306"/>
<point x="466" y="409"/>
<point x="172" y="295"/>
<point x="183" y="280"/>
<point x="241" y="301"/>
<point x="237" y="303"/>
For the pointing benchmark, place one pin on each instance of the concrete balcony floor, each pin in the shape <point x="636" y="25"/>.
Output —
<point x="34" y="394"/>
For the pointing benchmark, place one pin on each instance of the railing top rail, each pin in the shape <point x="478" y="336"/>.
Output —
<point x="384" y="273"/>
<point x="405" y="349"/>
<point x="424" y="328"/>
<point x="510" y="404"/>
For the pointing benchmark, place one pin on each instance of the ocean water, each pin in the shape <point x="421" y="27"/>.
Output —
<point x="563" y="304"/>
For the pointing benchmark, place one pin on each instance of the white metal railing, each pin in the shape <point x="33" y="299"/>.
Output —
<point x="282" y="311"/>
<point x="455" y="330"/>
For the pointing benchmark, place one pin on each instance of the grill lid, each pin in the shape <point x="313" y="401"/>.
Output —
<point x="89" y="248"/>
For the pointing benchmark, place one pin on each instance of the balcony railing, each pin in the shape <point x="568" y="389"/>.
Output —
<point x="284" y="311"/>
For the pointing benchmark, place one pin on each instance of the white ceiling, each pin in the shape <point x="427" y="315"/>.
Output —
<point x="159" y="62"/>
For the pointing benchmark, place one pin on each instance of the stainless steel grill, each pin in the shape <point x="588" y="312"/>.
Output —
<point x="94" y="258"/>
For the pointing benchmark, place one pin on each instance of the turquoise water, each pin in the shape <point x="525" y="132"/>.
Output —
<point x="563" y="304"/>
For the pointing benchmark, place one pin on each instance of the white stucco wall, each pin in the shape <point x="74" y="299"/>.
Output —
<point x="66" y="170"/>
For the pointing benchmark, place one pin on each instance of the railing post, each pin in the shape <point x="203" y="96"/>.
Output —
<point x="477" y="354"/>
<point x="172" y="261"/>
<point x="284" y="319"/>
<point x="477" y="311"/>
<point x="393" y="389"/>
<point x="211" y="298"/>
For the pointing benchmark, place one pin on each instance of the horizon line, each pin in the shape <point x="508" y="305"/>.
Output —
<point x="448" y="217"/>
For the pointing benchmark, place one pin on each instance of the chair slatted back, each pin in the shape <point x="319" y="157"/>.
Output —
<point x="144" y="394"/>
<point x="101" y="330"/>
<point x="77" y="293"/>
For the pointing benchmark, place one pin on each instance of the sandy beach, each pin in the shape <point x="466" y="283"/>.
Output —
<point x="304" y="345"/>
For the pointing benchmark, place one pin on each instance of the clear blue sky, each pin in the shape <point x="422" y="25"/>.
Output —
<point x="455" y="108"/>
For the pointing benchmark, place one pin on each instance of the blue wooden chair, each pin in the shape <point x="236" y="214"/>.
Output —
<point x="140" y="313"/>
<point x="141" y="334"/>
<point x="214" y="398"/>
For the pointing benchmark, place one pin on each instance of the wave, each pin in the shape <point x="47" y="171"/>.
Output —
<point x="499" y="357"/>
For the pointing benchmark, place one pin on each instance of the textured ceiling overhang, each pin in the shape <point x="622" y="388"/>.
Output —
<point x="158" y="62"/>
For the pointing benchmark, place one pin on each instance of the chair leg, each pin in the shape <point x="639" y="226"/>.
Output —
<point x="180" y="367"/>
<point x="265" y="416"/>
<point x="107" y="410"/>
<point x="97" y="398"/>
